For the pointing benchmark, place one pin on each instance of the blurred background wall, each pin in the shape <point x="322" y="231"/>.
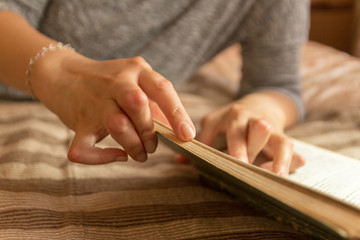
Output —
<point x="336" y="23"/>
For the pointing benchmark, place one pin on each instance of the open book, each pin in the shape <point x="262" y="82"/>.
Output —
<point x="321" y="199"/>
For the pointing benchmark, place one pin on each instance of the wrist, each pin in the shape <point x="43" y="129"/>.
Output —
<point x="44" y="51"/>
<point x="47" y="68"/>
<point x="274" y="107"/>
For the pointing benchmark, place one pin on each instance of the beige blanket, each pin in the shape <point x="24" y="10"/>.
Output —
<point x="44" y="196"/>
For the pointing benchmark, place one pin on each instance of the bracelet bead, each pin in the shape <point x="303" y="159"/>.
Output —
<point x="40" y="54"/>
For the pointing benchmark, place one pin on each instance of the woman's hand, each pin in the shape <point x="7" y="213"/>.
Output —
<point x="252" y="125"/>
<point x="117" y="97"/>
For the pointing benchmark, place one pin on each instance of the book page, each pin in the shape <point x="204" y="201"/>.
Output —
<point x="329" y="172"/>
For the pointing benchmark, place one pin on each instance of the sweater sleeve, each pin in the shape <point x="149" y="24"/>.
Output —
<point x="272" y="50"/>
<point x="31" y="10"/>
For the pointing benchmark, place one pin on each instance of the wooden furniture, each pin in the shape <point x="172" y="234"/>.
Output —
<point x="335" y="23"/>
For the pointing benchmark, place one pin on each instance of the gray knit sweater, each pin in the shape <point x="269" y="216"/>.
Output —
<point x="177" y="36"/>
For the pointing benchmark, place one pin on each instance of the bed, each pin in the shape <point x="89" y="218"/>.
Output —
<point x="44" y="196"/>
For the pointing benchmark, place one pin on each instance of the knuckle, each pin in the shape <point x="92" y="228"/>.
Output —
<point x="118" y="124"/>
<point x="134" y="150"/>
<point x="285" y="141"/>
<point x="237" y="109"/>
<point x="136" y="99"/>
<point x="290" y="143"/>
<point x="178" y="112"/>
<point x="121" y="80"/>
<point x="74" y="155"/>
<point x="107" y="79"/>
<point x="147" y="131"/>
<point x="139" y="62"/>
<point x="162" y="84"/>
<point x="118" y="78"/>
<point x="262" y="125"/>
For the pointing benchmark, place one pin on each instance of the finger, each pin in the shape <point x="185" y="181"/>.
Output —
<point x="83" y="150"/>
<point x="181" y="159"/>
<point x="267" y="165"/>
<point x="157" y="114"/>
<point x="258" y="135"/>
<point x="163" y="93"/>
<point x="134" y="102"/>
<point x="236" y="134"/>
<point x="209" y="130"/>
<point x="297" y="161"/>
<point x="123" y="132"/>
<point x="283" y="154"/>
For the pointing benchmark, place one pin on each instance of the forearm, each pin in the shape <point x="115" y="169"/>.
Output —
<point x="19" y="43"/>
<point x="274" y="69"/>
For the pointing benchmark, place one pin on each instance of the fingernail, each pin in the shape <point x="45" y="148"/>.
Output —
<point x="243" y="159"/>
<point x="265" y="123"/>
<point x="283" y="173"/>
<point x="150" y="146"/>
<point x="141" y="157"/>
<point x="187" y="131"/>
<point x="240" y="157"/>
<point x="121" y="159"/>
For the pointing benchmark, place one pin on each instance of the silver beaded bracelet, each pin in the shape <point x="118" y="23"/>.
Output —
<point x="42" y="53"/>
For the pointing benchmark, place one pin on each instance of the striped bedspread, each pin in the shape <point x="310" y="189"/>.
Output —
<point x="44" y="196"/>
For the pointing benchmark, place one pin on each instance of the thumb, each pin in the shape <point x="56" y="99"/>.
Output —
<point x="83" y="150"/>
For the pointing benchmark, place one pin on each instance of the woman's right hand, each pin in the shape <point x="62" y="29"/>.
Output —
<point x="117" y="97"/>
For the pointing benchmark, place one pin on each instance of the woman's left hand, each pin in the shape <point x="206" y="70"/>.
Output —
<point x="252" y="125"/>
